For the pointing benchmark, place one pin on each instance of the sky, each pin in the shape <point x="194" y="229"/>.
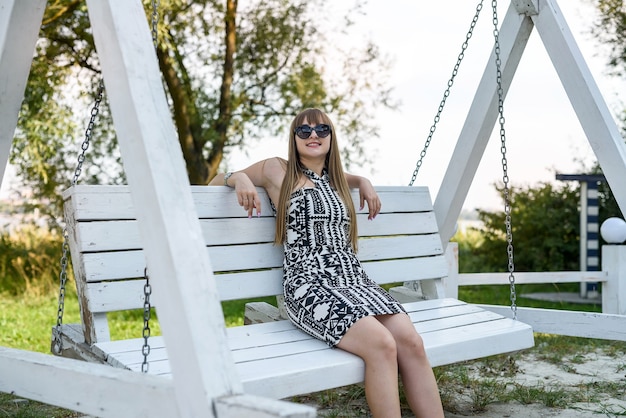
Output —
<point x="422" y="40"/>
<point x="543" y="133"/>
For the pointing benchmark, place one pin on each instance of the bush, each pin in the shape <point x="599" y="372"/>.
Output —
<point x="30" y="260"/>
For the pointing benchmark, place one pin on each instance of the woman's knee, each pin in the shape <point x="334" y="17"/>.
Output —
<point x="407" y="338"/>
<point x="370" y="340"/>
<point x="385" y="344"/>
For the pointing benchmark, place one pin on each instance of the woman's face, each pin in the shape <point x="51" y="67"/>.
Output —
<point x="314" y="146"/>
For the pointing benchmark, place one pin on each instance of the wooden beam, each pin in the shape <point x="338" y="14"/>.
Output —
<point x="572" y="323"/>
<point x="105" y="391"/>
<point x="584" y="95"/>
<point x="470" y="147"/>
<point x="20" y="21"/>
<point x="614" y="289"/>
<point x="189" y="310"/>
<point x="522" y="277"/>
<point x="94" y="389"/>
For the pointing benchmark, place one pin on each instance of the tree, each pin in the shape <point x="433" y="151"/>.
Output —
<point x="545" y="221"/>
<point x="545" y="228"/>
<point x="234" y="73"/>
<point x="610" y="29"/>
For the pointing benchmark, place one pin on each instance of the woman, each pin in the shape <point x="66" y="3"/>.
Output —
<point x="327" y="293"/>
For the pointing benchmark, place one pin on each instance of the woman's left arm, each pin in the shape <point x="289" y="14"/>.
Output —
<point x="367" y="193"/>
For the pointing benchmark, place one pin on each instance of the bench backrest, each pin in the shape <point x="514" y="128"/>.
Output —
<point x="402" y="244"/>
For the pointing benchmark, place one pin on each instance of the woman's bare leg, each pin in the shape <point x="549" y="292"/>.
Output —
<point x="371" y="341"/>
<point x="418" y="378"/>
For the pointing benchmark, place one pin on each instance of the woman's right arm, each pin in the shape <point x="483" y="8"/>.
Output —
<point x="267" y="174"/>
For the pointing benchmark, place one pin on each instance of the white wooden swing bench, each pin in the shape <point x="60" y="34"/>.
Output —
<point x="273" y="359"/>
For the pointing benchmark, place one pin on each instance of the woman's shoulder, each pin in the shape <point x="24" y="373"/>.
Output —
<point x="274" y="170"/>
<point x="274" y="166"/>
<point x="276" y="162"/>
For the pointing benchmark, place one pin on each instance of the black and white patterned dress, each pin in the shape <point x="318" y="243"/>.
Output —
<point x="326" y="289"/>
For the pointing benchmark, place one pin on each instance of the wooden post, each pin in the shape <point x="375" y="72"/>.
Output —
<point x="451" y="282"/>
<point x="594" y="115"/>
<point x="479" y="123"/>
<point x="20" y="21"/>
<point x="614" y="289"/>
<point x="178" y="265"/>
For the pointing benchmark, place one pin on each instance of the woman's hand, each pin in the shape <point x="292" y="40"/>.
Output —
<point x="247" y="195"/>
<point x="367" y="194"/>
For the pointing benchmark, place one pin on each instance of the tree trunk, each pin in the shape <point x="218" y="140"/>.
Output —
<point x="186" y="119"/>
<point x="225" y="104"/>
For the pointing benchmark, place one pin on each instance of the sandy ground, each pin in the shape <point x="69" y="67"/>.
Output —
<point x="593" y="367"/>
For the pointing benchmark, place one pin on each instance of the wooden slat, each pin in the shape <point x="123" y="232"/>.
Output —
<point x="123" y="235"/>
<point x="126" y="264"/>
<point x="90" y="202"/>
<point x="107" y="296"/>
<point x="267" y="354"/>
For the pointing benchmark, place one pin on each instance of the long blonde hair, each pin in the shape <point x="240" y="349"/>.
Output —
<point x="294" y="172"/>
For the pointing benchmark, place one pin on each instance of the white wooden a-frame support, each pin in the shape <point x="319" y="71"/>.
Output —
<point x="584" y="95"/>
<point x="189" y="311"/>
<point x="19" y="30"/>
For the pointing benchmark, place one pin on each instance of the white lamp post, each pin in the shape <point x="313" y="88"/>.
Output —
<point x="613" y="230"/>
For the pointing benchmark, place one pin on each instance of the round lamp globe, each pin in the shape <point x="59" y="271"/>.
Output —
<point x="613" y="230"/>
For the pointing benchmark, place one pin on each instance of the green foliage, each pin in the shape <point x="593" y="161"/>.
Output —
<point x="29" y="261"/>
<point x="13" y="407"/>
<point x="610" y="29"/>
<point x="229" y="85"/>
<point x="545" y="230"/>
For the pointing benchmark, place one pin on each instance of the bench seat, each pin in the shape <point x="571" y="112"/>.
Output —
<point x="277" y="360"/>
<point x="273" y="359"/>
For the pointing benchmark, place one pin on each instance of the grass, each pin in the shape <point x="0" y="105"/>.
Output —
<point x="29" y="310"/>
<point x="26" y="321"/>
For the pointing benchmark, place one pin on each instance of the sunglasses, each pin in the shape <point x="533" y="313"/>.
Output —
<point x="305" y="131"/>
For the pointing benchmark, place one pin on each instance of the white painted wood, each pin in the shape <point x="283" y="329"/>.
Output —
<point x="260" y="312"/>
<point x="594" y="115"/>
<point x="124" y="234"/>
<point x="610" y="324"/>
<point x="115" y="392"/>
<point x="468" y="279"/>
<point x="246" y="406"/>
<point x="514" y="33"/>
<point x="277" y="360"/>
<point x="113" y="202"/>
<point x="170" y="231"/>
<point x="572" y="323"/>
<point x="66" y="383"/>
<point x="451" y="281"/>
<point x="20" y="21"/>
<point x="614" y="289"/>
<point x="116" y="263"/>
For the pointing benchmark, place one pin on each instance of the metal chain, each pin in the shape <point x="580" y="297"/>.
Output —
<point x="147" y="310"/>
<point x="57" y="345"/>
<point x="505" y="176"/>
<point x="147" y="288"/>
<point x="446" y="93"/>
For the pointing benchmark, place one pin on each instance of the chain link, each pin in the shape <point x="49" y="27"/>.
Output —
<point x="446" y="93"/>
<point x="57" y="345"/>
<point x="147" y="288"/>
<point x="505" y="176"/>
<point x="147" y="310"/>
